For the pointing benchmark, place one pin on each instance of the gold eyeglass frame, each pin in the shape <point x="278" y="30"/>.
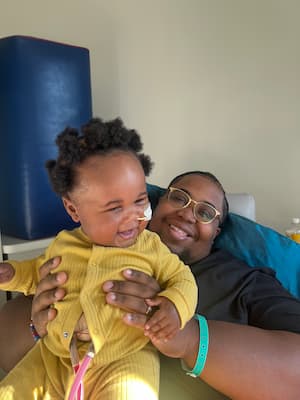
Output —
<point x="195" y="203"/>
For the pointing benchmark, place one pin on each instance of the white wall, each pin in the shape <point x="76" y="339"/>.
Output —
<point x="209" y="84"/>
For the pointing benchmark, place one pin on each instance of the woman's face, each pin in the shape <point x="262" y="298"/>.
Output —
<point x="108" y="197"/>
<point x="179" y="229"/>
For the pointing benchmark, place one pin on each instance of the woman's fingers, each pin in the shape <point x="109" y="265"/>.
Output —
<point x="136" y="283"/>
<point x="51" y="281"/>
<point x="131" y="293"/>
<point x="48" y="292"/>
<point x="127" y="303"/>
<point x="141" y="278"/>
<point x="48" y="266"/>
<point x="136" y="320"/>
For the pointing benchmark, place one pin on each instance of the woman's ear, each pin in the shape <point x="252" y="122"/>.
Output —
<point x="71" y="209"/>
<point x="217" y="232"/>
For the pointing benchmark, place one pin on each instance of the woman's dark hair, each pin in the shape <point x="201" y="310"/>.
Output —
<point x="213" y="179"/>
<point x="94" y="138"/>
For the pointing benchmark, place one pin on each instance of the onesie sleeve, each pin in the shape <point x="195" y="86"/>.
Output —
<point x="26" y="275"/>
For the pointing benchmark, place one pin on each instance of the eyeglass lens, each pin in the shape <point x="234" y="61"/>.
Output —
<point x="202" y="211"/>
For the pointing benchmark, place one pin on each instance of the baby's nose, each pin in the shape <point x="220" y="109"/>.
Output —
<point x="132" y="214"/>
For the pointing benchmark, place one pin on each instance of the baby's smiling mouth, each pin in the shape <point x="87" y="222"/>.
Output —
<point x="129" y="234"/>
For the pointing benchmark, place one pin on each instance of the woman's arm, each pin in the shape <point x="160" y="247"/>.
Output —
<point x="15" y="336"/>
<point x="243" y="362"/>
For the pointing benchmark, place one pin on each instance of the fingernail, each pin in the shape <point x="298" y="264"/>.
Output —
<point x="129" y="317"/>
<point x="128" y="271"/>
<point x="60" y="276"/>
<point x="108" y="285"/>
<point x="111" y="296"/>
<point x="54" y="260"/>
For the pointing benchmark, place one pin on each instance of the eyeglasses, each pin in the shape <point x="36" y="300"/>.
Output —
<point x="203" y="212"/>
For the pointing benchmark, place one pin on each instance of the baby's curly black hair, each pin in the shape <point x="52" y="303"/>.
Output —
<point x="95" y="137"/>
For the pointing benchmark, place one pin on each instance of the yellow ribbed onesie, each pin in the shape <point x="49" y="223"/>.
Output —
<point x="125" y="365"/>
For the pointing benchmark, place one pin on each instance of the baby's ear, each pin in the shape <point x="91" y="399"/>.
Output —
<point x="71" y="209"/>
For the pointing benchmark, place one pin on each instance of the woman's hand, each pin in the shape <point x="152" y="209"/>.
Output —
<point x="48" y="292"/>
<point x="130" y="295"/>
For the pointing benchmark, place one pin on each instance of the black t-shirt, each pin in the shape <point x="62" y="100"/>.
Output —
<point x="230" y="290"/>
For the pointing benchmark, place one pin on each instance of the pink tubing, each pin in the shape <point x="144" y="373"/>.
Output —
<point x="78" y="377"/>
<point x="80" y="391"/>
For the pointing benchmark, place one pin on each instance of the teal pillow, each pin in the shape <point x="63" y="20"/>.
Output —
<point x="257" y="245"/>
<point x="261" y="246"/>
<point x="154" y="193"/>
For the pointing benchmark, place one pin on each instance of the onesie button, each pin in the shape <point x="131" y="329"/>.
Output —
<point x="66" y="335"/>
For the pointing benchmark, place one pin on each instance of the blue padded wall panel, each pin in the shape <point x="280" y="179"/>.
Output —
<point x="44" y="87"/>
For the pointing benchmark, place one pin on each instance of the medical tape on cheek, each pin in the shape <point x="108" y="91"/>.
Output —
<point x="147" y="214"/>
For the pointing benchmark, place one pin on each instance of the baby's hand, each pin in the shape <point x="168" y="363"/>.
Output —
<point x="6" y="272"/>
<point x="165" y="322"/>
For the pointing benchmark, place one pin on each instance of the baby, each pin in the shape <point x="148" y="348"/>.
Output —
<point x="100" y="175"/>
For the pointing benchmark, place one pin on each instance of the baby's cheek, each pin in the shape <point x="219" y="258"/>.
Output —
<point x="142" y="226"/>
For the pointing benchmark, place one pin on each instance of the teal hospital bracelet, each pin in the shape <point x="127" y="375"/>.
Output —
<point x="203" y="348"/>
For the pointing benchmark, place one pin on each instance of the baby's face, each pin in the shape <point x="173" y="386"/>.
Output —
<point x="109" y="199"/>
